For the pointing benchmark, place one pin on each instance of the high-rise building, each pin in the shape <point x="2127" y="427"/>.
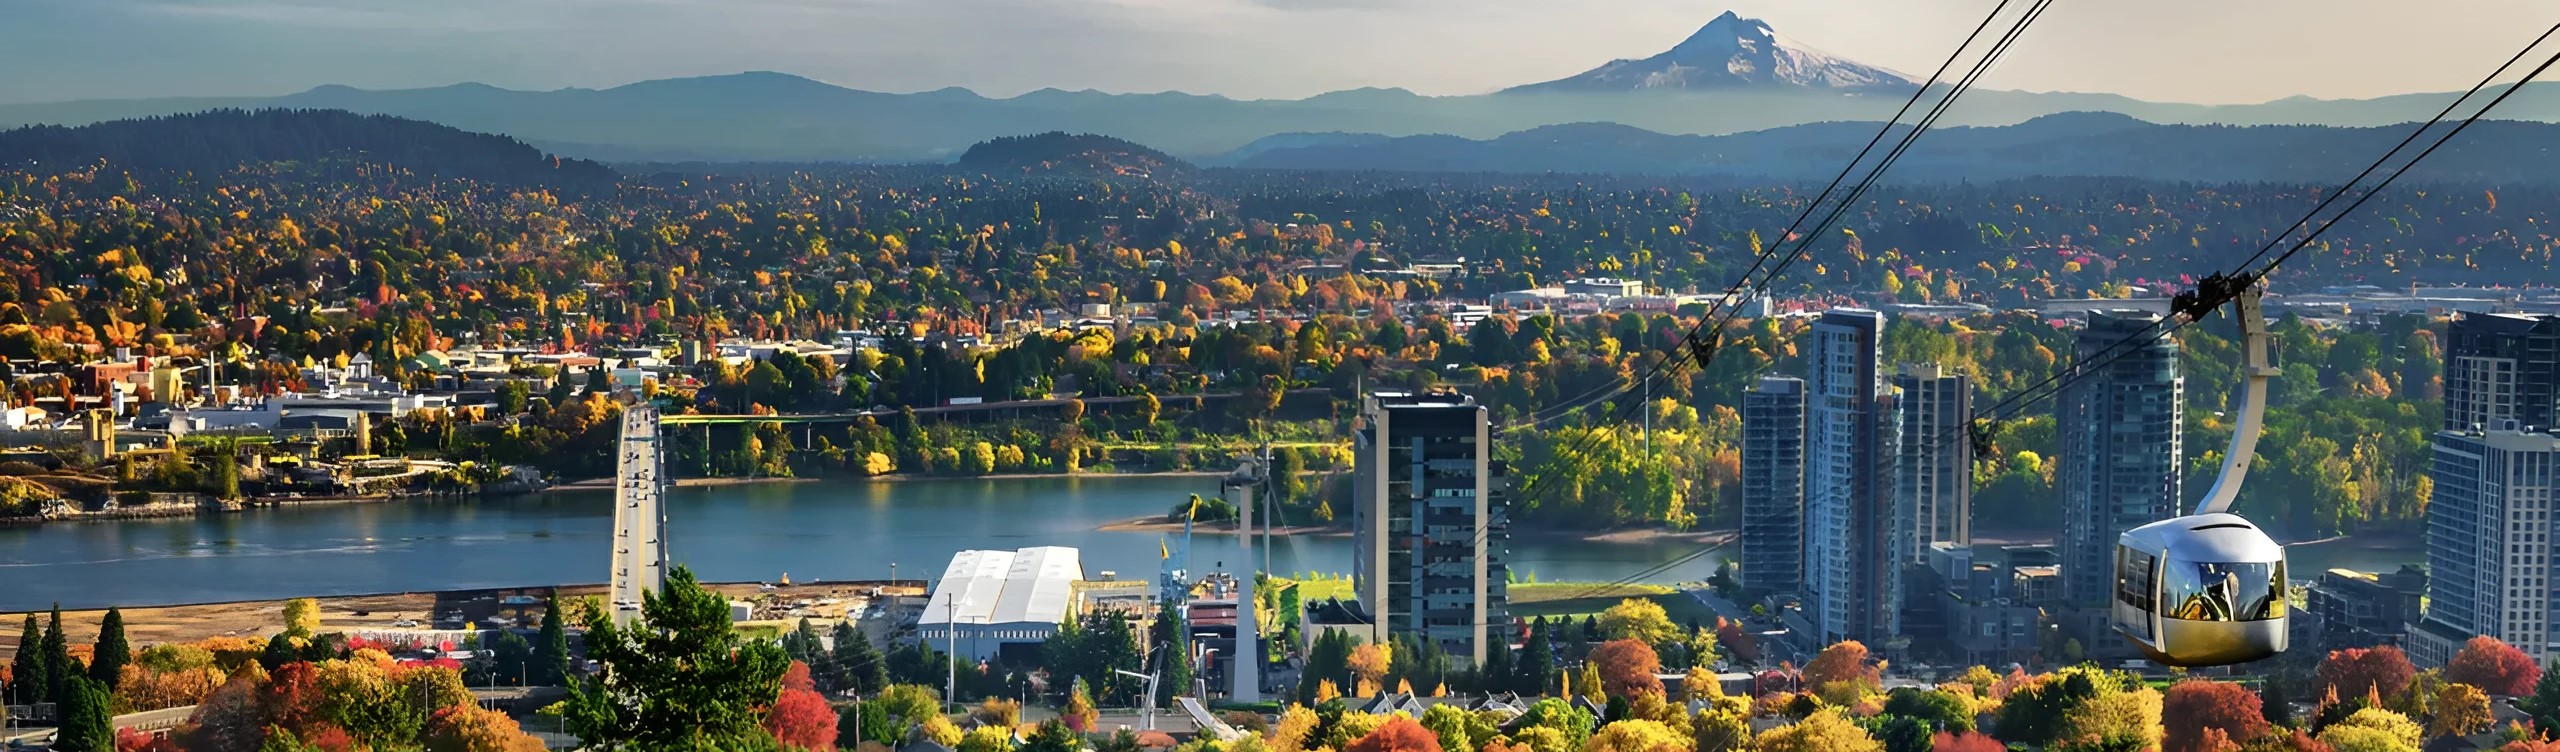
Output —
<point x="2121" y="458"/>
<point x="1853" y="579"/>
<point x="1773" y="485"/>
<point x="2490" y="562"/>
<point x="1430" y="521"/>
<point x="1935" y="473"/>
<point x="2500" y="367"/>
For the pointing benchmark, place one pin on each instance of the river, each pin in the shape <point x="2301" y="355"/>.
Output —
<point x="824" y="530"/>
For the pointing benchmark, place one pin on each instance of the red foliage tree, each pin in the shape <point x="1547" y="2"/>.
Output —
<point x="2357" y="671"/>
<point x="1628" y="668"/>
<point x="1741" y="644"/>
<point x="1398" y="734"/>
<point x="2494" y="666"/>
<point x="229" y="720"/>
<point x="2196" y="706"/>
<point x="1965" y="742"/>
<point x="129" y="740"/>
<point x="801" y="718"/>
<point x="327" y="737"/>
<point x="2532" y="745"/>
<point x="290" y="696"/>
<point x="797" y="677"/>
<point x="2301" y="741"/>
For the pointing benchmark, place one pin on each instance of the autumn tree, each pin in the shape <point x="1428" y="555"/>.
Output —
<point x="2493" y="666"/>
<point x="1369" y="664"/>
<point x="2355" y="672"/>
<point x="2461" y="710"/>
<point x="1639" y="619"/>
<point x="1827" y="730"/>
<point x="2373" y="730"/>
<point x="1400" y="733"/>
<point x="2195" y="705"/>
<point x="801" y="718"/>
<point x="1637" y="735"/>
<point x="1844" y="664"/>
<point x="1627" y="668"/>
<point x="1720" y="731"/>
<point x="471" y="728"/>
<point x="1965" y="742"/>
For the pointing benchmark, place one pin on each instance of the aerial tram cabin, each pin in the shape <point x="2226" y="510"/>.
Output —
<point x="2209" y="589"/>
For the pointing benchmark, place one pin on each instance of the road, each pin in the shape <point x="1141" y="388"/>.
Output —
<point x="639" y="519"/>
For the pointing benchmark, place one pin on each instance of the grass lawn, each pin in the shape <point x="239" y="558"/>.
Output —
<point x="1553" y="600"/>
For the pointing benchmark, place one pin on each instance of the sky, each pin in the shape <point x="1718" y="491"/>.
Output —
<point x="2208" y="51"/>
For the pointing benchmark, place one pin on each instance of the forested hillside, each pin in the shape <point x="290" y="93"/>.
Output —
<point x="217" y="141"/>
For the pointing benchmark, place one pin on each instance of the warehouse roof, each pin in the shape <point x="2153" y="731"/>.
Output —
<point x="1030" y="585"/>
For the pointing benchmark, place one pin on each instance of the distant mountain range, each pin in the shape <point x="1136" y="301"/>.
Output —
<point x="1732" y="52"/>
<point x="1733" y="76"/>
<point x="2072" y="144"/>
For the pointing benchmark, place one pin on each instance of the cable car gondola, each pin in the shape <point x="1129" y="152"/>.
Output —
<point x="2208" y="589"/>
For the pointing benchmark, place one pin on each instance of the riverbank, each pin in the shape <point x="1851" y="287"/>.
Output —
<point x="1162" y="524"/>
<point x="606" y="484"/>
<point x="381" y="612"/>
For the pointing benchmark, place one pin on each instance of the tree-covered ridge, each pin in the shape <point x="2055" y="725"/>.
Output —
<point x="1076" y="153"/>
<point x="218" y="141"/>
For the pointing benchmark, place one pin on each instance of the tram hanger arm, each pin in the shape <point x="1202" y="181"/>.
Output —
<point x="2256" y="374"/>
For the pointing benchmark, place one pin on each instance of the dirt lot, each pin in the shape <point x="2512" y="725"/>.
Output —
<point x="257" y="619"/>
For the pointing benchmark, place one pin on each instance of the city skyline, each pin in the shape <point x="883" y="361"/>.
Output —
<point x="2153" y="52"/>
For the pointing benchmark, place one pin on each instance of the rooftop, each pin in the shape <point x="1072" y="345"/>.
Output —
<point x="1006" y="587"/>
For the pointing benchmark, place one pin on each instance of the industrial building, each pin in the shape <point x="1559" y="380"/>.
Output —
<point x="1430" y="521"/>
<point x="1001" y="602"/>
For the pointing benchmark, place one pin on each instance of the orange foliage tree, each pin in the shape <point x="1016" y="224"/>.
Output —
<point x="2196" y="706"/>
<point x="1970" y="741"/>
<point x="1845" y="661"/>
<point x="1628" y="668"/>
<point x="471" y="728"/>
<point x="801" y="718"/>
<point x="2494" y="666"/>
<point x="1399" y="733"/>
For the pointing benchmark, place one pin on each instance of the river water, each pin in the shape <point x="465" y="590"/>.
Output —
<point x="824" y="530"/>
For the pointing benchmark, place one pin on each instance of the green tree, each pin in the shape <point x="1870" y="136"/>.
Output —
<point x="679" y="676"/>
<point x="58" y="670"/>
<point x="859" y="665"/>
<point x="27" y="671"/>
<point x="1053" y="736"/>
<point x="2544" y="704"/>
<point x="112" y="652"/>
<point x="87" y="723"/>
<point x="1173" y="635"/>
<point x="551" y="650"/>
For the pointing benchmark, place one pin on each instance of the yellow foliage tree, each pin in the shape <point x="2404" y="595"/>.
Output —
<point x="2116" y="717"/>
<point x="1636" y="736"/>
<point x="2461" y="710"/>
<point x="1828" y="730"/>
<point x="1639" y="619"/>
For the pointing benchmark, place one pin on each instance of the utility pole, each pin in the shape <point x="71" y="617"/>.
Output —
<point x="951" y="651"/>
<point x="1648" y="417"/>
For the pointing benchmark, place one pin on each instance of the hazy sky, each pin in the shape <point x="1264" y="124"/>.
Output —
<point x="2215" y="51"/>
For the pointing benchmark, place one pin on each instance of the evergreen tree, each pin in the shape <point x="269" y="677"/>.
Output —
<point x="860" y="664"/>
<point x="551" y="649"/>
<point x="280" y="651"/>
<point x="1496" y="673"/>
<point x="87" y="724"/>
<point x="1537" y="661"/>
<point x="27" y="671"/>
<point x="2544" y="704"/>
<point x="1173" y="635"/>
<point x="2274" y="705"/>
<point x="681" y="676"/>
<point x="57" y="659"/>
<point x="106" y="662"/>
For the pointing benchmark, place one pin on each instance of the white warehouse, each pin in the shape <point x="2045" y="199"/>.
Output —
<point x="989" y="600"/>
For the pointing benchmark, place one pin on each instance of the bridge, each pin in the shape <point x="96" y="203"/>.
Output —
<point x="639" y="513"/>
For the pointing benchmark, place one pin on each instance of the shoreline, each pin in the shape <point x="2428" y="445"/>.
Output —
<point x="1622" y="536"/>
<point x="606" y="484"/>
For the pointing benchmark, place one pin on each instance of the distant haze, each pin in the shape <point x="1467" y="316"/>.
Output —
<point x="2206" y="51"/>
